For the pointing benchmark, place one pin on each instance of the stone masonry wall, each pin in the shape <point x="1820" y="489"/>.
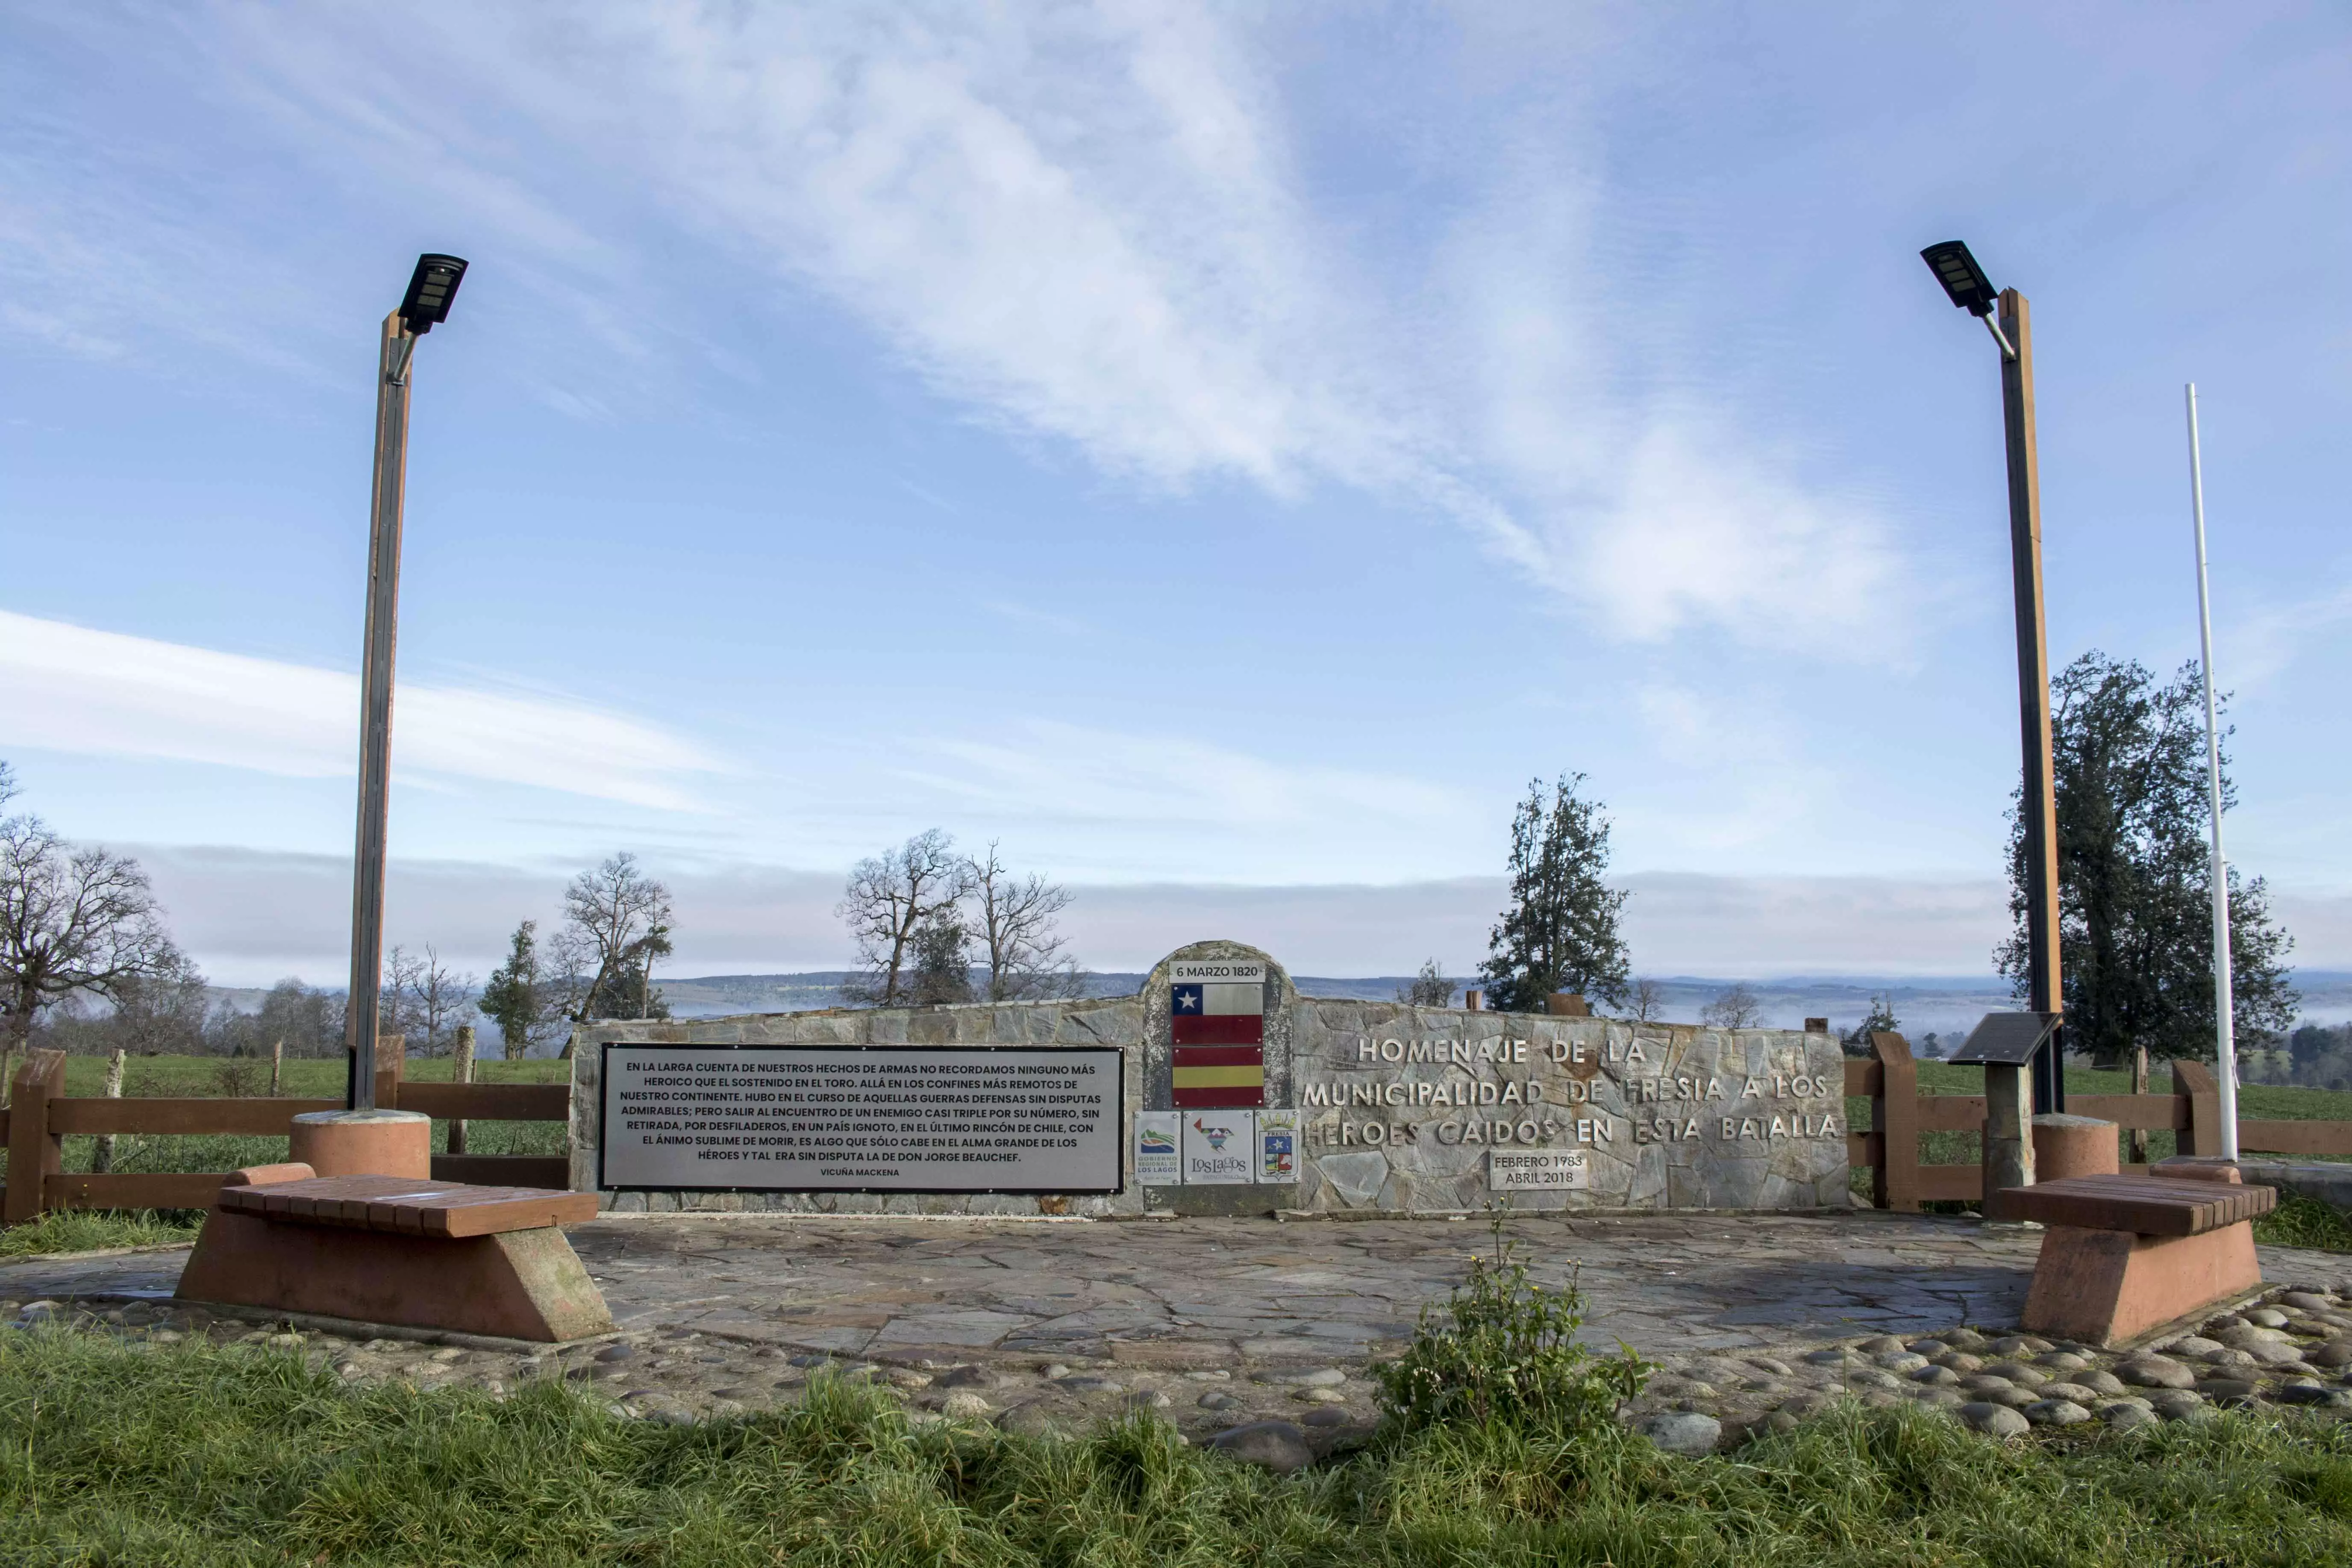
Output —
<point x="1399" y="1106"/>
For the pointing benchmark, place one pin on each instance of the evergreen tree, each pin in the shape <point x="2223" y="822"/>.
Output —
<point x="2134" y="875"/>
<point x="942" y="964"/>
<point x="1561" y="932"/>
<point x="511" y="998"/>
<point x="1880" y="1019"/>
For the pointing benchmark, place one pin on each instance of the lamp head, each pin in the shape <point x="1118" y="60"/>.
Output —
<point x="1962" y="278"/>
<point x="430" y="289"/>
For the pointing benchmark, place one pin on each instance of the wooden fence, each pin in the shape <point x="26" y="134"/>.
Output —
<point x="36" y="1125"/>
<point x="1899" y="1113"/>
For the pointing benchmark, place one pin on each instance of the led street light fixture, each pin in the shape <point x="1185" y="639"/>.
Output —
<point x="430" y="289"/>
<point x="1962" y="278"/>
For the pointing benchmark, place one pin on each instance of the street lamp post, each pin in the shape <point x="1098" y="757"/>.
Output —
<point x="431" y="288"/>
<point x="2009" y="1141"/>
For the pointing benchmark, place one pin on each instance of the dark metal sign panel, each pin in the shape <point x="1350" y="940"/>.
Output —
<point x="2006" y="1038"/>
<point x="861" y="1119"/>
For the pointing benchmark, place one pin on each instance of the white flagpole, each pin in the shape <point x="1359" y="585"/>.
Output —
<point x="2225" y="1044"/>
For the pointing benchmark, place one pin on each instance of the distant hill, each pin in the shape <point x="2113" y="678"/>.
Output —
<point x="1946" y="1008"/>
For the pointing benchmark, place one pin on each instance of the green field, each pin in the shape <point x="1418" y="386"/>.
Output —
<point x="165" y="1457"/>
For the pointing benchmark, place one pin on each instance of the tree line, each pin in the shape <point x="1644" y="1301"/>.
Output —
<point x="932" y="926"/>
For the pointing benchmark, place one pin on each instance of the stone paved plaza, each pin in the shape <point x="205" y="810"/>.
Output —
<point x="1216" y="1321"/>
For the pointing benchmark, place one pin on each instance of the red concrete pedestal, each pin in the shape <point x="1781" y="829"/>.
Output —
<point x="2074" y="1146"/>
<point x="363" y="1143"/>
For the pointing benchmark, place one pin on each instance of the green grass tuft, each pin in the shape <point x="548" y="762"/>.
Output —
<point x="91" y="1230"/>
<point x="2300" y="1221"/>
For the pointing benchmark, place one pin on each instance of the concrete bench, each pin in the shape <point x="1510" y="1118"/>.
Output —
<point x="398" y="1250"/>
<point x="2125" y="1255"/>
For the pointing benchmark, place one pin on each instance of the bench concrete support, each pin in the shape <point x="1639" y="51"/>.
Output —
<point x="2103" y="1287"/>
<point x="522" y="1284"/>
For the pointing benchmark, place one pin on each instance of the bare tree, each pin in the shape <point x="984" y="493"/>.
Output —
<point x="1027" y="959"/>
<point x="616" y="918"/>
<point x="1645" y="1001"/>
<point x="73" y="922"/>
<point x="1738" y="1008"/>
<point x="891" y="898"/>
<point x="1430" y="988"/>
<point x="425" y="1000"/>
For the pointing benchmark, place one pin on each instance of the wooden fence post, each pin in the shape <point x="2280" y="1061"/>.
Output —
<point x="1895" y="1116"/>
<point x="277" y="1065"/>
<point x="461" y="1070"/>
<point x="101" y="1154"/>
<point x="35" y="1153"/>
<point x="2138" y="1138"/>
<point x="391" y="1066"/>
<point x="2193" y="1082"/>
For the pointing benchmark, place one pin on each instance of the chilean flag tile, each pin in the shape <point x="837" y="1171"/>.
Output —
<point x="1210" y="1013"/>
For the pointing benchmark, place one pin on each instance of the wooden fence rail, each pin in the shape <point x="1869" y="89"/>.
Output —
<point x="1899" y="1113"/>
<point x="35" y="1127"/>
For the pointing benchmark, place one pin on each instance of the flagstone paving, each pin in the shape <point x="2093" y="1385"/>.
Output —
<point x="1212" y="1321"/>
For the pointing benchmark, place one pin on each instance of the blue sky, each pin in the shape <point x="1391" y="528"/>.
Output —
<point x="1221" y="451"/>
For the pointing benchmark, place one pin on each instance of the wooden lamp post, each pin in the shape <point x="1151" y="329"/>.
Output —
<point x="2009" y="1134"/>
<point x="427" y="304"/>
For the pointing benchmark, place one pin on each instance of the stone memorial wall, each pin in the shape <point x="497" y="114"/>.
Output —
<point x="1240" y="1096"/>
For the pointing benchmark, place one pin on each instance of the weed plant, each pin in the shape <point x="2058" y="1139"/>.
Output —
<point x="88" y="1230"/>
<point x="1504" y="1350"/>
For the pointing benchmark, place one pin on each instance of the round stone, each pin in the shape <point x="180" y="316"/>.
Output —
<point x="1830" y="1357"/>
<point x="2309" y="1301"/>
<point x="2226" y="1320"/>
<point x="1274" y="1446"/>
<point x="1963" y="1339"/>
<point x="2312" y="1394"/>
<point x="2334" y="1353"/>
<point x="1987" y="1382"/>
<point x="1768" y="1365"/>
<point x="1327" y="1377"/>
<point x="2231" y="1362"/>
<point x="1934" y="1376"/>
<point x="1217" y="1401"/>
<point x="1871" y="1377"/>
<point x="1960" y="1361"/>
<point x="2194" y="1346"/>
<point x="1681" y="1431"/>
<point x="1327" y="1416"/>
<point x="2063" y="1360"/>
<point x="2073" y="1391"/>
<point x="2267" y="1317"/>
<point x="1779" y="1421"/>
<point x="1931" y="1349"/>
<point x="2226" y="1390"/>
<point x="617" y="1353"/>
<point x="1994" y="1420"/>
<point x="2015" y="1399"/>
<point x="907" y="1378"/>
<point x="2017" y="1372"/>
<point x="964" y="1404"/>
<point x="2098" y="1380"/>
<point x="1319" y="1395"/>
<point x="2056" y="1413"/>
<point x="2126" y="1417"/>
<point x="1899" y="1362"/>
<point x="1934" y="1398"/>
<point x="1147" y="1399"/>
<point x="1880" y="1345"/>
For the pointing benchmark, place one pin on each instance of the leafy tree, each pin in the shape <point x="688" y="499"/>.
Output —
<point x="616" y="922"/>
<point x="892" y="897"/>
<point x="1561" y="932"/>
<point x="2135" y="877"/>
<point x="1430" y="988"/>
<point x="942" y="970"/>
<point x="1880" y="1019"/>
<point x="511" y="997"/>
<point x="73" y="922"/>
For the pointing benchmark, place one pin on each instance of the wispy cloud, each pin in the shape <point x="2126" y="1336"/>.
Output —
<point x="1091" y="224"/>
<point x="71" y="689"/>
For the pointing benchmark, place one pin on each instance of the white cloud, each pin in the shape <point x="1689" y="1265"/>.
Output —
<point x="1091" y="223"/>
<point x="73" y="689"/>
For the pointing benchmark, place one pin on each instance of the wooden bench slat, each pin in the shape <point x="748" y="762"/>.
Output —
<point x="409" y="1206"/>
<point x="2144" y="1205"/>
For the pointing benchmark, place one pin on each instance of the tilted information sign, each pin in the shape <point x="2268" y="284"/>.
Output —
<point x="861" y="1119"/>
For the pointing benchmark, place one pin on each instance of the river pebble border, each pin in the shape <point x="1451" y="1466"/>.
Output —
<point x="2292" y="1348"/>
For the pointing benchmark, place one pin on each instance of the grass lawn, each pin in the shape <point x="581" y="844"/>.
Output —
<point x="114" y="1452"/>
